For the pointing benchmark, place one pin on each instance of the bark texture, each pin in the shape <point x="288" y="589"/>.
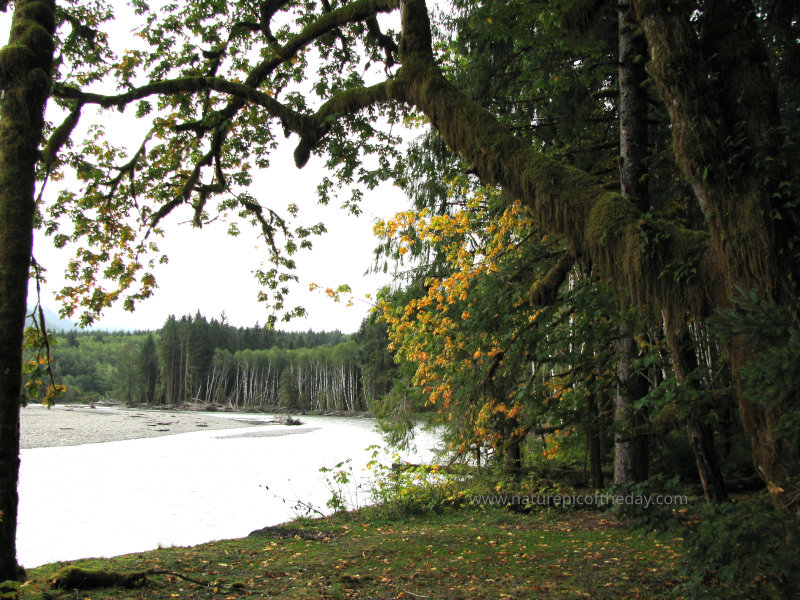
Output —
<point x="25" y="66"/>
<point x="630" y="449"/>
<point x="630" y="443"/>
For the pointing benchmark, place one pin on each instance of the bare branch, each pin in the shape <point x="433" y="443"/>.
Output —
<point x="128" y="168"/>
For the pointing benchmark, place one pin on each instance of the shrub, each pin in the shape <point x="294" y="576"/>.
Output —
<point x="746" y="550"/>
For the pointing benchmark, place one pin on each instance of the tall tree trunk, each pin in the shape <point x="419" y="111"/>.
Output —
<point x="630" y="449"/>
<point x="594" y="444"/>
<point x="630" y="443"/>
<point x="25" y="67"/>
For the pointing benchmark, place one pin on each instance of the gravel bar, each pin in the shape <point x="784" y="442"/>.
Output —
<point x="41" y="427"/>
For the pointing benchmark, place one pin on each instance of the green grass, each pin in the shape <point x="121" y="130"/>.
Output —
<point x="461" y="553"/>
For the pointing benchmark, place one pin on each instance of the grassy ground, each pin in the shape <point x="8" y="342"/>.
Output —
<point x="461" y="553"/>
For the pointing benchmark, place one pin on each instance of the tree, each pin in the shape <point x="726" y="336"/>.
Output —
<point x="148" y="370"/>
<point x="727" y="136"/>
<point x="172" y="362"/>
<point x="127" y="376"/>
<point x="630" y="460"/>
<point x="377" y="363"/>
<point x="200" y="353"/>
<point x="712" y="73"/>
<point x="25" y="65"/>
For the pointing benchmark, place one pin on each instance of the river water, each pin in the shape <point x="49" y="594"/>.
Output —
<point x="136" y="495"/>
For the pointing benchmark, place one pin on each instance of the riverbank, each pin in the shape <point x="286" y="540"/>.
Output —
<point x="73" y="425"/>
<point x="460" y="553"/>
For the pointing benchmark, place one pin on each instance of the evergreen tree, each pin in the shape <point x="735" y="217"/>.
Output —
<point x="171" y="363"/>
<point x="148" y="370"/>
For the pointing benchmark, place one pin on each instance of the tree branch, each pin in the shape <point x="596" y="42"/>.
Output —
<point x="600" y="226"/>
<point x="61" y="135"/>
<point x="184" y="84"/>
<point x="347" y="102"/>
<point x="383" y="40"/>
<point x="545" y="292"/>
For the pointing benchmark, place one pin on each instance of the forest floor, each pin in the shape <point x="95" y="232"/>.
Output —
<point x="465" y="553"/>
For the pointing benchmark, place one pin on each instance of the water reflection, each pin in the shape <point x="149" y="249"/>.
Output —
<point x="121" y="497"/>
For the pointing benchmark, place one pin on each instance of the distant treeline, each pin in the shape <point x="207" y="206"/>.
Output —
<point x="193" y="359"/>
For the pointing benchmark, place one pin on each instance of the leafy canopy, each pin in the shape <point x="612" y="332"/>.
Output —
<point x="213" y="86"/>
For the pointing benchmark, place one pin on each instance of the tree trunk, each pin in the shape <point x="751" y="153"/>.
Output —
<point x="594" y="444"/>
<point x="25" y="67"/>
<point x="512" y="454"/>
<point x="632" y="110"/>
<point x="701" y="436"/>
<point x="630" y="443"/>
<point x="630" y="450"/>
<point x="512" y="446"/>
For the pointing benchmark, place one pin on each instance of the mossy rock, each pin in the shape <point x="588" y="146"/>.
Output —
<point x="75" y="578"/>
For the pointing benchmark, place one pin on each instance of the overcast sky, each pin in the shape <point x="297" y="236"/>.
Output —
<point x="212" y="272"/>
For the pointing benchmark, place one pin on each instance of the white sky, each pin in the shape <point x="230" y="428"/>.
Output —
<point x="212" y="272"/>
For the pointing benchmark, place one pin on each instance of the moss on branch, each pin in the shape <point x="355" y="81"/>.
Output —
<point x="600" y="227"/>
<point x="348" y="102"/>
<point x="61" y="135"/>
<point x="545" y="292"/>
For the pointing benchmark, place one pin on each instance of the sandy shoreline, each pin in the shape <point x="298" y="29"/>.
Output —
<point x="75" y="425"/>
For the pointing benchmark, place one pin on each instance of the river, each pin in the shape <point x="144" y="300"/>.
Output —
<point x="136" y="495"/>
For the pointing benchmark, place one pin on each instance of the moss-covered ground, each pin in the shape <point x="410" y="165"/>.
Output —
<point x="488" y="552"/>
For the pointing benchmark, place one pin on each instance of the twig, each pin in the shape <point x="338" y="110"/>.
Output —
<point x="192" y="580"/>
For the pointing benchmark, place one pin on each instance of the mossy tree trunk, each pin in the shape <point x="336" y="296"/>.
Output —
<point x="630" y="448"/>
<point x="25" y="67"/>
<point x="630" y="441"/>
<point x="726" y="135"/>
